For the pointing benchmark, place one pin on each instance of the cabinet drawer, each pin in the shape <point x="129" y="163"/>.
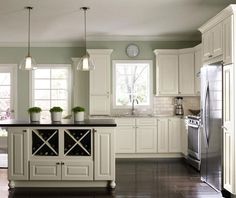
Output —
<point x="125" y="121"/>
<point x="77" y="170"/>
<point x="45" y="170"/>
<point x="146" y="121"/>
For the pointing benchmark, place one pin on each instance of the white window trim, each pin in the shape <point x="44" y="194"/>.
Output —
<point x="13" y="67"/>
<point x="52" y="66"/>
<point x="114" y="62"/>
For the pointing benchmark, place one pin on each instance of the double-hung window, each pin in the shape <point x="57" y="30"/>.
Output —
<point x="51" y="87"/>
<point x="132" y="80"/>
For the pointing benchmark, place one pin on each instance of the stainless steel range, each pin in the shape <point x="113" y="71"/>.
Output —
<point x="194" y="144"/>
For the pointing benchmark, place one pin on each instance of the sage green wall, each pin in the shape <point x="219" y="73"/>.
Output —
<point x="62" y="55"/>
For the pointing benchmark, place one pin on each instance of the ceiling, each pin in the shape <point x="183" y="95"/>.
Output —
<point x="60" y="22"/>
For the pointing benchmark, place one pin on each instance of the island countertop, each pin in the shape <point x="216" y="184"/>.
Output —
<point x="64" y="122"/>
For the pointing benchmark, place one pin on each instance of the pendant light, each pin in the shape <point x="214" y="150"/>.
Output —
<point x="28" y="63"/>
<point x="85" y="63"/>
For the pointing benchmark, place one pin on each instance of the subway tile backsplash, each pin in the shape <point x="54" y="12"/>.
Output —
<point x="166" y="105"/>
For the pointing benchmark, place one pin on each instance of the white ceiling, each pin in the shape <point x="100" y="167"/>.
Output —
<point x="56" y="22"/>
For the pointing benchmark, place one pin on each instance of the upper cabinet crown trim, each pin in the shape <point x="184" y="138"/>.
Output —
<point x="100" y="51"/>
<point x="218" y="18"/>
<point x="166" y="51"/>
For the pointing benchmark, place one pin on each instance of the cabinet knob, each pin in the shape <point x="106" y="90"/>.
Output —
<point x="62" y="163"/>
<point x="209" y="56"/>
<point x="58" y="163"/>
<point x="94" y="130"/>
<point x="24" y="130"/>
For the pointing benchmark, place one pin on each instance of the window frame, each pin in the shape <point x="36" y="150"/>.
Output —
<point x="13" y="70"/>
<point x="114" y="62"/>
<point x="52" y="66"/>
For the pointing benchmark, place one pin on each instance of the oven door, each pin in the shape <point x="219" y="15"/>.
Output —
<point x="194" y="141"/>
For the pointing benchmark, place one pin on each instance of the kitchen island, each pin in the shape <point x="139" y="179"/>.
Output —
<point x="61" y="154"/>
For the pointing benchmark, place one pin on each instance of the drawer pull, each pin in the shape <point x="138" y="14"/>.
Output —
<point x="58" y="163"/>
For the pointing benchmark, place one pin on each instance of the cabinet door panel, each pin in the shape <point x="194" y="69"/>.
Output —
<point x="146" y="121"/>
<point x="77" y="170"/>
<point x="162" y="136"/>
<point x="198" y="65"/>
<point x="104" y="159"/>
<point x="186" y="73"/>
<point x="125" y="139"/>
<point x="217" y="40"/>
<point x="99" y="105"/>
<point x="207" y="45"/>
<point x="228" y="40"/>
<point x="174" y="135"/>
<point x="146" y="139"/>
<point x="18" y="158"/>
<point x="167" y="74"/>
<point x="45" y="170"/>
<point x="228" y="123"/>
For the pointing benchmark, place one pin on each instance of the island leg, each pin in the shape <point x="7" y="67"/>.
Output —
<point x="112" y="184"/>
<point x="11" y="184"/>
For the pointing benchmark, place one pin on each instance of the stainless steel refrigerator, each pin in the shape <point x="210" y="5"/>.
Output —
<point x="211" y="119"/>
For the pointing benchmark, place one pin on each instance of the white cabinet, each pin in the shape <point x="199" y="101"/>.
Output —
<point x="228" y="40"/>
<point x="228" y="129"/>
<point x="125" y="135"/>
<point x="174" y="135"/>
<point x="99" y="82"/>
<point x="212" y="42"/>
<point x="166" y="73"/>
<point x="186" y="73"/>
<point x="184" y="137"/>
<point x="197" y="68"/>
<point x="45" y="170"/>
<point x="18" y="153"/>
<point x="169" y="135"/>
<point x="146" y="135"/>
<point x="104" y="165"/>
<point x="125" y="139"/>
<point x="162" y="136"/>
<point x="175" y="72"/>
<point x="136" y="135"/>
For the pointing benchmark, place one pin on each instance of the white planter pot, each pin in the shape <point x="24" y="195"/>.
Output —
<point x="79" y="116"/>
<point x="56" y="116"/>
<point x="34" y="117"/>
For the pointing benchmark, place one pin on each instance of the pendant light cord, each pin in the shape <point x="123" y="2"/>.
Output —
<point x="85" y="39"/>
<point x="29" y="8"/>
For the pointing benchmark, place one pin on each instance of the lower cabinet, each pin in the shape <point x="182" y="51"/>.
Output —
<point x="54" y="170"/>
<point x="169" y="135"/>
<point x="136" y="135"/>
<point x="148" y="135"/>
<point x="125" y="139"/>
<point x="104" y="159"/>
<point x="58" y="153"/>
<point x="18" y="153"/>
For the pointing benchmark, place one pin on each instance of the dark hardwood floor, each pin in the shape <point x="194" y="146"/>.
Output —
<point x="139" y="178"/>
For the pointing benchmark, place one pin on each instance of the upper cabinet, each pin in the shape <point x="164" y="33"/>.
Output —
<point x="167" y="73"/>
<point x="197" y="67"/>
<point x="99" y="82"/>
<point x="228" y="40"/>
<point x="186" y="73"/>
<point x="217" y="38"/>
<point x="175" y="72"/>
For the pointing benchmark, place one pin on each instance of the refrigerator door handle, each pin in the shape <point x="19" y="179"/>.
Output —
<point x="205" y="115"/>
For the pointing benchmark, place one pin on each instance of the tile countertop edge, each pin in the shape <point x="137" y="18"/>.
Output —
<point x="68" y="123"/>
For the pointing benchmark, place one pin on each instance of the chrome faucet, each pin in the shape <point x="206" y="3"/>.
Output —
<point x="132" y="110"/>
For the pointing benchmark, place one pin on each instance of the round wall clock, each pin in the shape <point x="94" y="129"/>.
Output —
<point x="132" y="50"/>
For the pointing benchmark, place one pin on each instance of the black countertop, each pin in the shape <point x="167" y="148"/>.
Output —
<point x="64" y="122"/>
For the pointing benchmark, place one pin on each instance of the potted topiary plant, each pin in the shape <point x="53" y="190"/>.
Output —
<point x="56" y="114"/>
<point x="34" y="114"/>
<point x="78" y="114"/>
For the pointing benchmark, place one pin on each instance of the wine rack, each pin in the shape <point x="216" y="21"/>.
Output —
<point x="77" y="142"/>
<point x="45" y="142"/>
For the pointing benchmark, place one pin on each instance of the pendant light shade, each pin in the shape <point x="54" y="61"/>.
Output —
<point x="28" y="63"/>
<point x="85" y="63"/>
